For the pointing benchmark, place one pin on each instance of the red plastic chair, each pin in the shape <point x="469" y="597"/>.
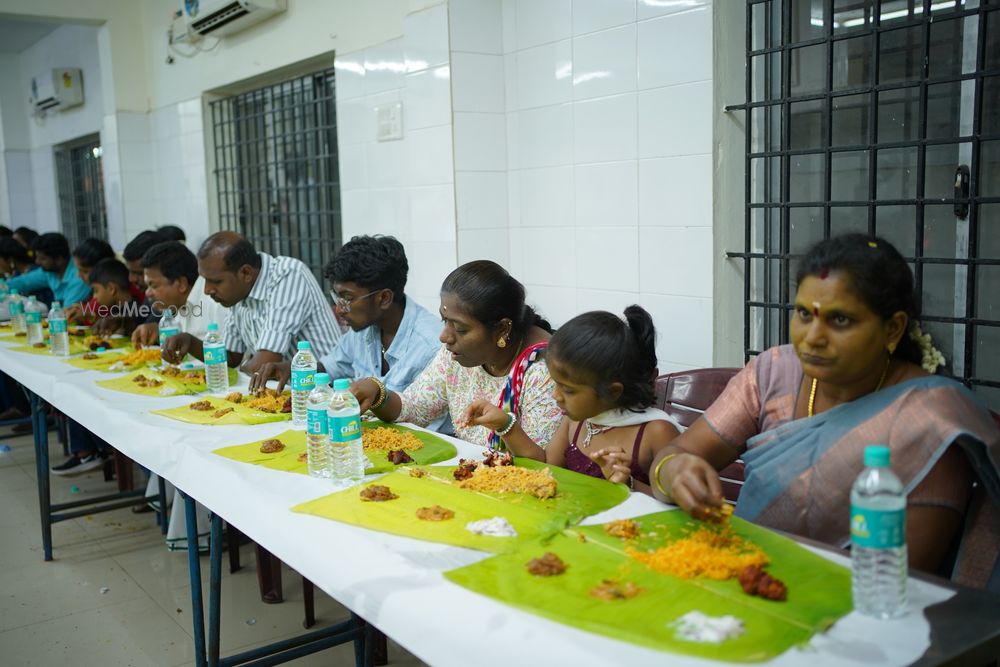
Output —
<point x="685" y="395"/>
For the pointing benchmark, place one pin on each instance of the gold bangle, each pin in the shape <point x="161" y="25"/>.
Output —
<point x="382" y="394"/>
<point x="656" y="475"/>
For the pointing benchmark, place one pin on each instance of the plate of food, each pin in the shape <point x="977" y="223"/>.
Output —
<point x="387" y="446"/>
<point x="235" y="408"/>
<point x="727" y="590"/>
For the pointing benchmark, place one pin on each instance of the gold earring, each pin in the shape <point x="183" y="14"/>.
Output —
<point x="892" y="348"/>
<point x="501" y="342"/>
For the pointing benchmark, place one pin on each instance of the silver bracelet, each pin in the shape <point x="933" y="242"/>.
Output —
<point x="511" y="420"/>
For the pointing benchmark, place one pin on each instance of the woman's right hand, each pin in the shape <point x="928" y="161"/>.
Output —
<point x="482" y="413"/>
<point x="366" y="391"/>
<point x="694" y="485"/>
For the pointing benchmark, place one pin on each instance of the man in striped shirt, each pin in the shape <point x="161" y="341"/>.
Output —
<point x="273" y="302"/>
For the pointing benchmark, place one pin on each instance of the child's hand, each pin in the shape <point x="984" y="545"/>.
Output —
<point x="482" y="413"/>
<point x="614" y="464"/>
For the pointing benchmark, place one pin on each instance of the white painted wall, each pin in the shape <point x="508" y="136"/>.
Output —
<point x="588" y="172"/>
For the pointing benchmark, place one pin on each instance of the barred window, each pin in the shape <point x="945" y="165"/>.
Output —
<point x="880" y="117"/>
<point x="80" y="181"/>
<point x="276" y="167"/>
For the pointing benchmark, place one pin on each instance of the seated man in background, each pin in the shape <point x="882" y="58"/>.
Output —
<point x="392" y="337"/>
<point x="273" y="302"/>
<point x="171" y="233"/>
<point x="14" y="258"/>
<point x="58" y="273"/>
<point x="25" y="236"/>
<point x="133" y="253"/>
<point x="171" y="275"/>
<point x="117" y="308"/>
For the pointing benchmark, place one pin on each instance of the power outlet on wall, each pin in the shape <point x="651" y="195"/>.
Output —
<point x="389" y="121"/>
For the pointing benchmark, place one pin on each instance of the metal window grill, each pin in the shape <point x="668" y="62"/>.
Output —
<point x="276" y="168"/>
<point x="861" y="114"/>
<point x="80" y="180"/>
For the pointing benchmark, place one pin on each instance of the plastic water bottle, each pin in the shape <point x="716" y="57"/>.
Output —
<point x="15" y="307"/>
<point x="4" y="290"/>
<point x="33" y="321"/>
<point x="303" y="380"/>
<point x="169" y="326"/>
<point x="58" y="335"/>
<point x="214" y="355"/>
<point x="318" y="431"/>
<point x="346" y="452"/>
<point x="878" y="538"/>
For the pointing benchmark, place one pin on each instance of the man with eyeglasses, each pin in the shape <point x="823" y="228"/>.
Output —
<point x="392" y="337"/>
<point x="273" y="302"/>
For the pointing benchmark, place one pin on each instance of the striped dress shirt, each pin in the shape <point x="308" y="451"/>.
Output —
<point x="284" y="306"/>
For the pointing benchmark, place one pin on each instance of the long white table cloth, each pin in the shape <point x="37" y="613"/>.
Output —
<point x="394" y="582"/>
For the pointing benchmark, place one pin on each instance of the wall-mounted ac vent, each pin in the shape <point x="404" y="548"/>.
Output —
<point x="224" y="17"/>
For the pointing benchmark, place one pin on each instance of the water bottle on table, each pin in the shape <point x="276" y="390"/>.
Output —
<point x="169" y="326"/>
<point x="4" y="290"/>
<point x="58" y="334"/>
<point x="214" y="355"/>
<point x="878" y="538"/>
<point x="33" y="321"/>
<point x="15" y="307"/>
<point x="317" y="430"/>
<point x="303" y="372"/>
<point x="344" y="416"/>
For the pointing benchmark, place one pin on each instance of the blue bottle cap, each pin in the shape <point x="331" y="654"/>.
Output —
<point x="304" y="345"/>
<point x="321" y="379"/>
<point x="212" y="326"/>
<point x="101" y="349"/>
<point x="877" y="456"/>
<point x="342" y="384"/>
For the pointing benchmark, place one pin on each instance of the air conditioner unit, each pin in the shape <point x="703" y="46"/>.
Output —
<point x="57" y="89"/>
<point x="224" y="17"/>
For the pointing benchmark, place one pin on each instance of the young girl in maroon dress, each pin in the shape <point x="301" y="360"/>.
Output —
<point x="604" y="369"/>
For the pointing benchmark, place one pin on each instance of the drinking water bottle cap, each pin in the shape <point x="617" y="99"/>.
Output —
<point x="877" y="456"/>
<point x="102" y="349"/>
<point x="56" y="304"/>
<point x="14" y="291"/>
<point x="342" y="384"/>
<point x="321" y="379"/>
<point x="212" y="326"/>
<point x="304" y="345"/>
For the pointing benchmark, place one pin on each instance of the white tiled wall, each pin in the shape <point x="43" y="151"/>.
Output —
<point x="405" y="187"/>
<point x="607" y="128"/>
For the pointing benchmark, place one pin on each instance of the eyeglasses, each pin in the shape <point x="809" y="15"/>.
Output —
<point x="345" y="304"/>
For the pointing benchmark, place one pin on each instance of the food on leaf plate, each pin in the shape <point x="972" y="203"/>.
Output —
<point x="377" y="493"/>
<point x="434" y="513"/>
<point x="511" y="479"/>
<point x="756" y="581"/>
<point x="268" y="400"/>
<point x="610" y="590"/>
<point x="384" y="438"/>
<point x="626" y="529"/>
<point x="548" y="565"/>
<point x="201" y="405"/>
<point x="493" y="527"/>
<point x="269" y="446"/>
<point x="222" y="412"/>
<point x="94" y="342"/>
<point x="144" y="381"/>
<point x="398" y="457"/>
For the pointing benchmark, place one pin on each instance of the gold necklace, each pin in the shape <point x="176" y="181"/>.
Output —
<point x="815" y="382"/>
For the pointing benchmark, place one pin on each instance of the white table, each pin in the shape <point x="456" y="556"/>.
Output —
<point x="396" y="583"/>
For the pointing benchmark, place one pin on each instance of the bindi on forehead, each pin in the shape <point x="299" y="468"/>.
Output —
<point x="824" y="273"/>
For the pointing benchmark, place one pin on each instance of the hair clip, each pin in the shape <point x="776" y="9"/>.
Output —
<point x="872" y="244"/>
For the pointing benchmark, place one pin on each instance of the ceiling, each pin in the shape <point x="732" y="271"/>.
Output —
<point x="16" y="36"/>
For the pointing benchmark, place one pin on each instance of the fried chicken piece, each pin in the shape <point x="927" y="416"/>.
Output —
<point x="398" y="456"/>
<point x="269" y="446"/>
<point x="303" y="457"/>
<point x="234" y="397"/>
<point x="464" y="470"/>
<point x="626" y="529"/>
<point x="222" y="412"/>
<point x="495" y="459"/>
<point x="90" y="356"/>
<point x="756" y="581"/>
<point x="434" y="513"/>
<point x="377" y="493"/>
<point x="548" y="565"/>
<point x="21" y="333"/>
<point x="287" y="407"/>
<point x="38" y="345"/>
<point x="201" y="405"/>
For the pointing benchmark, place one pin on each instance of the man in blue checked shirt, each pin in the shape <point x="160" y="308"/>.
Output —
<point x="58" y="272"/>
<point x="392" y="337"/>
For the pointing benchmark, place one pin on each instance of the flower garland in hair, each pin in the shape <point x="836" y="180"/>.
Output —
<point x="930" y="357"/>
